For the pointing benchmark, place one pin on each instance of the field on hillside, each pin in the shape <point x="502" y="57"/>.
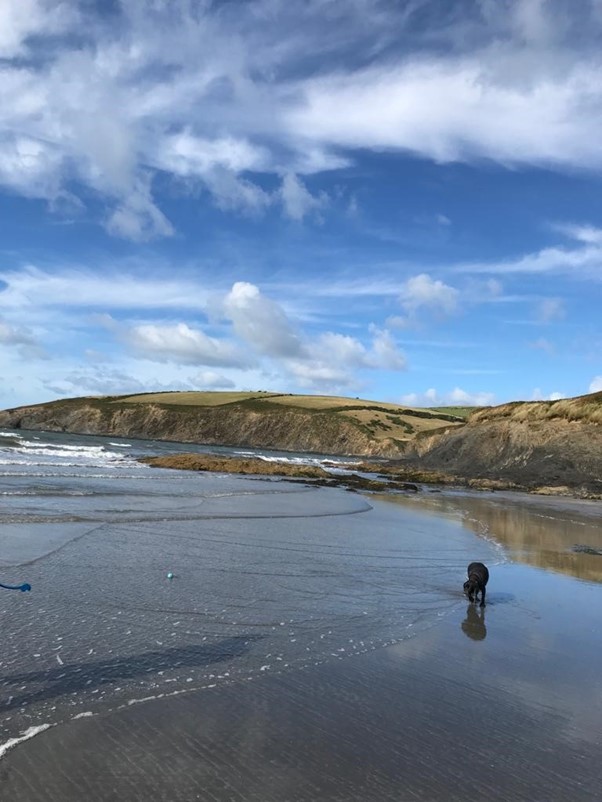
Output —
<point x="381" y="420"/>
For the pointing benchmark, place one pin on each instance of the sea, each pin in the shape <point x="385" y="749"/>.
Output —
<point x="148" y="583"/>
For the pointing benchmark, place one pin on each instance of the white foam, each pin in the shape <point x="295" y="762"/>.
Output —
<point x="26" y="736"/>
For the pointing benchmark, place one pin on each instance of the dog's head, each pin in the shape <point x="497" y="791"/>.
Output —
<point x="471" y="586"/>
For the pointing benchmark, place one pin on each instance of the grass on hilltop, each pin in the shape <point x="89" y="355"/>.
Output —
<point x="584" y="408"/>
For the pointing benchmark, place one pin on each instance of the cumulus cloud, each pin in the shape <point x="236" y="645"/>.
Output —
<point x="423" y="294"/>
<point x="210" y="380"/>
<point x="596" y="385"/>
<point x="539" y="395"/>
<point x="182" y="344"/>
<point x="330" y="359"/>
<point x="261" y="322"/>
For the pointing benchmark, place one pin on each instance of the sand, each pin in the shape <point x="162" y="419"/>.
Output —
<point x="504" y="704"/>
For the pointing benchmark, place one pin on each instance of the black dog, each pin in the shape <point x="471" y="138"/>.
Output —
<point x="478" y="576"/>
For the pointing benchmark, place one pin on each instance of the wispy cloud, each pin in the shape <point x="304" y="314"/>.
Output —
<point x="220" y="93"/>
<point x="581" y="261"/>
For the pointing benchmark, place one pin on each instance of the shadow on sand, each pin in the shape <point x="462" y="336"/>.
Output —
<point x="70" y="678"/>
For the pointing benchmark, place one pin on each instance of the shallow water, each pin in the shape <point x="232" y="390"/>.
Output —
<point x="268" y="576"/>
<point x="547" y="532"/>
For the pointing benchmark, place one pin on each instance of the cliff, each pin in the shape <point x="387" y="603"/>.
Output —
<point x="317" y="424"/>
<point x="532" y="444"/>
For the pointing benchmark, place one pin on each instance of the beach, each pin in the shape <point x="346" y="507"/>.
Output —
<point x="314" y="644"/>
<point x="496" y="703"/>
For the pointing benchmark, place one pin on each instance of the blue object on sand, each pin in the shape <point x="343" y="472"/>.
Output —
<point x="25" y="586"/>
<point x="169" y="575"/>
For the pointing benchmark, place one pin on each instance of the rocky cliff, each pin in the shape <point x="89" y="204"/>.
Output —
<point x="535" y="444"/>
<point x="282" y="428"/>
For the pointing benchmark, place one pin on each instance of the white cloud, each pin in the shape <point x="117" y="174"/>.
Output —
<point x="580" y="232"/>
<point x="596" y="385"/>
<point x="182" y="344"/>
<point x="385" y="351"/>
<point x="458" y="109"/>
<point x="185" y="154"/>
<point x="340" y="349"/>
<point x="261" y="322"/>
<point x="210" y="380"/>
<point x="455" y="397"/>
<point x="330" y="359"/>
<point x="580" y="261"/>
<point x="11" y="335"/>
<point x="22" y="19"/>
<point x="422" y="293"/>
<point x="137" y="218"/>
<point x="103" y="382"/>
<point x="538" y="395"/>
<point x="298" y="202"/>
<point x="232" y="193"/>
<point x="214" y="93"/>
<point x="33" y="288"/>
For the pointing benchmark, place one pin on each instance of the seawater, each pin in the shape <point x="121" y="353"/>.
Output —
<point x="268" y="575"/>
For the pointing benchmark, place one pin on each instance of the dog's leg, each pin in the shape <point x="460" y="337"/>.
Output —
<point x="483" y="596"/>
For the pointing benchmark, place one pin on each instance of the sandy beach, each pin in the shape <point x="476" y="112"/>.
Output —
<point x="501" y="705"/>
<point x="313" y="644"/>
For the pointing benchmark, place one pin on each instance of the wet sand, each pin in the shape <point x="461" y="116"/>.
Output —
<point x="434" y="699"/>
<point x="504" y="704"/>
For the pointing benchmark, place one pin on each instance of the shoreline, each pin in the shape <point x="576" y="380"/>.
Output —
<point x="461" y="708"/>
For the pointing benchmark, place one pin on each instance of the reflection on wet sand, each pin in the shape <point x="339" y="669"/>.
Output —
<point x="535" y="531"/>
<point x="473" y="625"/>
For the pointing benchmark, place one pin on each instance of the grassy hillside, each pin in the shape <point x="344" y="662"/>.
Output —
<point x="380" y="420"/>
<point x="583" y="408"/>
<point x="320" y="424"/>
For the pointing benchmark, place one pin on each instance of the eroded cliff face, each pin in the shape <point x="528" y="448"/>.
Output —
<point x="287" y="430"/>
<point x="531" y="454"/>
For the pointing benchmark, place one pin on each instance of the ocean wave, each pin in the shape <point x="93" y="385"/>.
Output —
<point x="25" y="736"/>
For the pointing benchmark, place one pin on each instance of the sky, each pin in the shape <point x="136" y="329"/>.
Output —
<point x="399" y="201"/>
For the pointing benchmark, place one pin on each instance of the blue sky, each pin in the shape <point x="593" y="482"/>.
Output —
<point x="400" y="201"/>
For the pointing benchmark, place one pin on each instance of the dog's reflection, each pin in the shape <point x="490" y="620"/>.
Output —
<point x="473" y="625"/>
